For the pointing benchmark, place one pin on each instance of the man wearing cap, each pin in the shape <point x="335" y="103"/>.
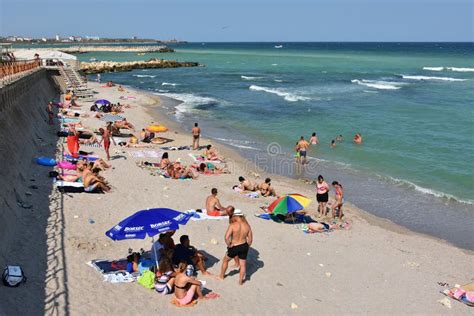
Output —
<point x="238" y="238"/>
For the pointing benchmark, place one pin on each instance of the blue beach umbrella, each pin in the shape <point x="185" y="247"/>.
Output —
<point x="102" y="102"/>
<point x="148" y="222"/>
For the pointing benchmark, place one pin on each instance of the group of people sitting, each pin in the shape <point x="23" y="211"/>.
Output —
<point x="108" y="108"/>
<point x="174" y="267"/>
<point x="87" y="172"/>
<point x="262" y="189"/>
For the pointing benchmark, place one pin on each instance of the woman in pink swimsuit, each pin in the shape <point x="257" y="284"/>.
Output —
<point x="322" y="196"/>
<point x="186" y="288"/>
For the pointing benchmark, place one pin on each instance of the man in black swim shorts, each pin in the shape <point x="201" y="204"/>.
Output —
<point x="238" y="239"/>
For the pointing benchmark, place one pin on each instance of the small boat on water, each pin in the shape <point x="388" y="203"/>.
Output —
<point x="93" y="59"/>
<point x="278" y="46"/>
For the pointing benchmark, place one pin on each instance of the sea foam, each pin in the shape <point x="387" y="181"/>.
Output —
<point x="433" y="68"/>
<point x="381" y="85"/>
<point x="460" y="69"/>
<point x="250" y="78"/>
<point x="290" y="97"/>
<point x="431" y="78"/>
<point x="189" y="101"/>
<point x="144" y="76"/>
<point x="169" y="84"/>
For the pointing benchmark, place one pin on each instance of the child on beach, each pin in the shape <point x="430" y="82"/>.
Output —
<point x="106" y="139"/>
<point x="339" y="201"/>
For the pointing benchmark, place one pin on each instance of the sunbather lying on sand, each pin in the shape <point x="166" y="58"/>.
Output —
<point x="319" y="227"/>
<point x="209" y="168"/>
<point x="133" y="143"/>
<point x="74" y="177"/>
<point x="179" y="171"/>
<point x="124" y="124"/>
<point x="246" y="185"/>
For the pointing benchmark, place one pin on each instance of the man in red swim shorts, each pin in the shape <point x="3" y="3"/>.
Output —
<point x="213" y="205"/>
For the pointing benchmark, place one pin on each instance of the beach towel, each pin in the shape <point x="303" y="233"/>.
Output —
<point x="463" y="294"/>
<point x="113" y="271"/>
<point x="145" y="153"/>
<point x="88" y="157"/>
<point x="94" y="145"/>
<point x="161" y="140"/>
<point x="69" y="187"/>
<point x="111" y="118"/>
<point x="61" y="183"/>
<point x="69" y="120"/>
<point x="197" y="158"/>
<point x="176" y="148"/>
<point x="197" y="216"/>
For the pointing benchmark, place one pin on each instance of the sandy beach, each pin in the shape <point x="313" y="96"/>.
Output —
<point x="375" y="267"/>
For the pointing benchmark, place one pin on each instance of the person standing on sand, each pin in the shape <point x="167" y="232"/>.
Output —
<point x="339" y="201"/>
<point x="303" y="147"/>
<point x="49" y="109"/>
<point x="196" y="131"/>
<point x="238" y="238"/>
<point x="213" y="205"/>
<point x="106" y="139"/>
<point x="322" y="195"/>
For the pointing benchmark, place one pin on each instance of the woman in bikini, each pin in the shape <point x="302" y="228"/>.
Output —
<point x="186" y="288"/>
<point x="339" y="201"/>
<point x="322" y="195"/>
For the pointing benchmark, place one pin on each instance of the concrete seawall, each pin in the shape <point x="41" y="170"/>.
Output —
<point x="26" y="190"/>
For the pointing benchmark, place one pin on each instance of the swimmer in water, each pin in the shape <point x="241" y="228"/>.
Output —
<point x="333" y="144"/>
<point x="358" y="138"/>
<point x="314" y="139"/>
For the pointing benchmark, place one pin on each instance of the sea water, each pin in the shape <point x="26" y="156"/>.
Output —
<point x="412" y="103"/>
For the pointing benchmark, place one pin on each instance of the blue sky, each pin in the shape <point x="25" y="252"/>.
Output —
<point x="244" y="20"/>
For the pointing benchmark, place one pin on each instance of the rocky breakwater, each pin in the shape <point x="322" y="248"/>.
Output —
<point x="112" y="66"/>
<point x="117" y="49"/>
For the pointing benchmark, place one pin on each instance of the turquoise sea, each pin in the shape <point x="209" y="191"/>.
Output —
<point x="413" y="103"/>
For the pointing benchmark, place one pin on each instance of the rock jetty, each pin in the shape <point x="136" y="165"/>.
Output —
<point x="112" y="66"/>
<point x="118" y="49"/>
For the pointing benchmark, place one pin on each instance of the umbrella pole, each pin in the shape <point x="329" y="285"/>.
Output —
<point x="154" y="250"/>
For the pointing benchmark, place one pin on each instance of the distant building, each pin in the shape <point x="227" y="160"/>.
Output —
<point x="134" y="37"/>
<point x="44" y="39"/>
<point x="93" y="38"/>
<point x="57" y="38"/>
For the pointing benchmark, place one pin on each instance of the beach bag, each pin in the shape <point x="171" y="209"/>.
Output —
<point x="13" y="276"/>
<point x="147" y="280"/>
